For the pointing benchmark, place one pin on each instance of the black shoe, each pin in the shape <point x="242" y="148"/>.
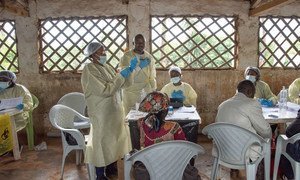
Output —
<point x="112" y="169"/>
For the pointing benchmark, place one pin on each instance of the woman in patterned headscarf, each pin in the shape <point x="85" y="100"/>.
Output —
<point x="153" y="127"/>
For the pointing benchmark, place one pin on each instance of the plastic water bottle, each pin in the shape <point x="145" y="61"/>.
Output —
<point x="283" y="99"/>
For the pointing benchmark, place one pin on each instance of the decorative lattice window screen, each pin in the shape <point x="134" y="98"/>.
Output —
<point x="279" y="42"/>
<point x="194" y="42"/>
<point x="62" y="41"/>
<point x="8" y="46"/>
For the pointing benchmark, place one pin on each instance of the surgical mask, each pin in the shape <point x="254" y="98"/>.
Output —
<point x="251" y="78"/>
<point x="3" y="85"/>
<point x="175" y="80"/>
<point x="102" y="59"/>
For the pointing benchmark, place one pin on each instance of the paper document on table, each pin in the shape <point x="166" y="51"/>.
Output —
<point x="10" y="103"/>
<point x="185" y="109"/>
<point x="293" y="106"/>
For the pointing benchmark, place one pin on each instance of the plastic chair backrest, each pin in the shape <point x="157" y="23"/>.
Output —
<point x="165" y="160"/>
<point x="36" y="102"/>
<point x="74" y="100"/>
<point x="232" y="143"/>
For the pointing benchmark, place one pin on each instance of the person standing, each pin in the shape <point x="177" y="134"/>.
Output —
<point x="144" y="76"/>
<point x="109" y="136"/>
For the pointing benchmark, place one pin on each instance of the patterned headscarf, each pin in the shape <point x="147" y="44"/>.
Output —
<point x="154" y="103"/>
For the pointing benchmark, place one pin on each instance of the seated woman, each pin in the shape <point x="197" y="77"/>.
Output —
<point x="294" y="91"/>
<point x="154" y="129"/>
<point x="178" y="89"/>
<point x="9" y="89"/>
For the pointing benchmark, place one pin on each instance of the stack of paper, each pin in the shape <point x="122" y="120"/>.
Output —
<point x="185" y="109"/>
<point x="10" y="103"/>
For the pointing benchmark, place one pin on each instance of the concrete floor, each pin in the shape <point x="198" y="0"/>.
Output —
<point x="47" y="164"/>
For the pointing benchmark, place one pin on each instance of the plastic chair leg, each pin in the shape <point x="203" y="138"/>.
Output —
<point x="92" y="171"/>
<point x="30" y="134"/>
<point x="277" y="159"/>
<point x="214" y="171"/>
<point x="297" y="170"/>
<point x="267" y="161"/>
<point x="251" y="171"/>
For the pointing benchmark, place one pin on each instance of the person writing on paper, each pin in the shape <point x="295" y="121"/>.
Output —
<point x="143" y="79"/>
<point x="178" y="89"/>
<point x="10" y="89"/>
<point x="109" y="136"/>
<point x="262" y="89"/>
<point x="294" y="91"/>
<point x="246" y="112"/>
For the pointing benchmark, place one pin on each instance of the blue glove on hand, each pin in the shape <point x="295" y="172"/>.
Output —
<point x="178" y="94"/>
<point x="126" y="72"/>
<point x="265" y="102"/>
<point x="144" y="63"/>
<point x="20" y="106"/>
<point x="133" y="63"/>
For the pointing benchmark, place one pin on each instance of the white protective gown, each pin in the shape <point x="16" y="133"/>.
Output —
<point x="19" y="90"/>
<point x="294" y="91"/>
<point x="188" y="92"/>
<point x="109" y="135"/>
<point x="141" y="79"/>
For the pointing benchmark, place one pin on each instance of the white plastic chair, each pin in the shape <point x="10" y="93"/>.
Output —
<point x="165" y="160"/>
<point x="76" y="101"/>
<point x="232" y="143"/>
<point x="282" y="142"/>
<point x="62" y="118"/>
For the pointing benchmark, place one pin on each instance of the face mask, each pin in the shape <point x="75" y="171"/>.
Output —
<point x="175" y="80"/>
<point x="251" y="78"/>
<point x="102" y="59"/>
<point x="4" y="85"/>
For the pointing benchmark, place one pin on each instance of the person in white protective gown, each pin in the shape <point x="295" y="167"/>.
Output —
<point x="10" y="89"/>
<point x="109" y="137"/>
<point x="294" y="91"/>
<point x="178" y="89"/>
<point x="143" y="78"/>
<point x="262" y="89"/>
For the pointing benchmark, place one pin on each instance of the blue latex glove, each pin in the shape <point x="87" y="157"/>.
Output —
<point x="178" y="94"/>
<point x="144" y="63"/>
<point x="265" y="102"/>
<point x="133" y="63"/>
<point x="20" y="106"/>
<point x="126" y="72"/>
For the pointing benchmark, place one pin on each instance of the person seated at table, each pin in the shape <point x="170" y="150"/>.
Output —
<point x="294" y="91"/>
<point x="153" y="128"/>
<point x="262" y="89"/>
<point x="292" y="149"/>
<point x="10" y="89"/>
<point x="178" y="89"/>
<point x="244" y="111"/>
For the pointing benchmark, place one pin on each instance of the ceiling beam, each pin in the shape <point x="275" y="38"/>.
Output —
<point x="254" y="3"/>
<point x="19" y="7"/>
<point x="268" y="6"/>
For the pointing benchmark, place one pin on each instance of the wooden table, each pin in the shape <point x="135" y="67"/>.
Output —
<point x="12" y="112"/>
<point x="187" y="118"/>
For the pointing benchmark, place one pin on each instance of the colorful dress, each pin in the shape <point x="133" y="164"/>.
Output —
<point x="168" y="131"/>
